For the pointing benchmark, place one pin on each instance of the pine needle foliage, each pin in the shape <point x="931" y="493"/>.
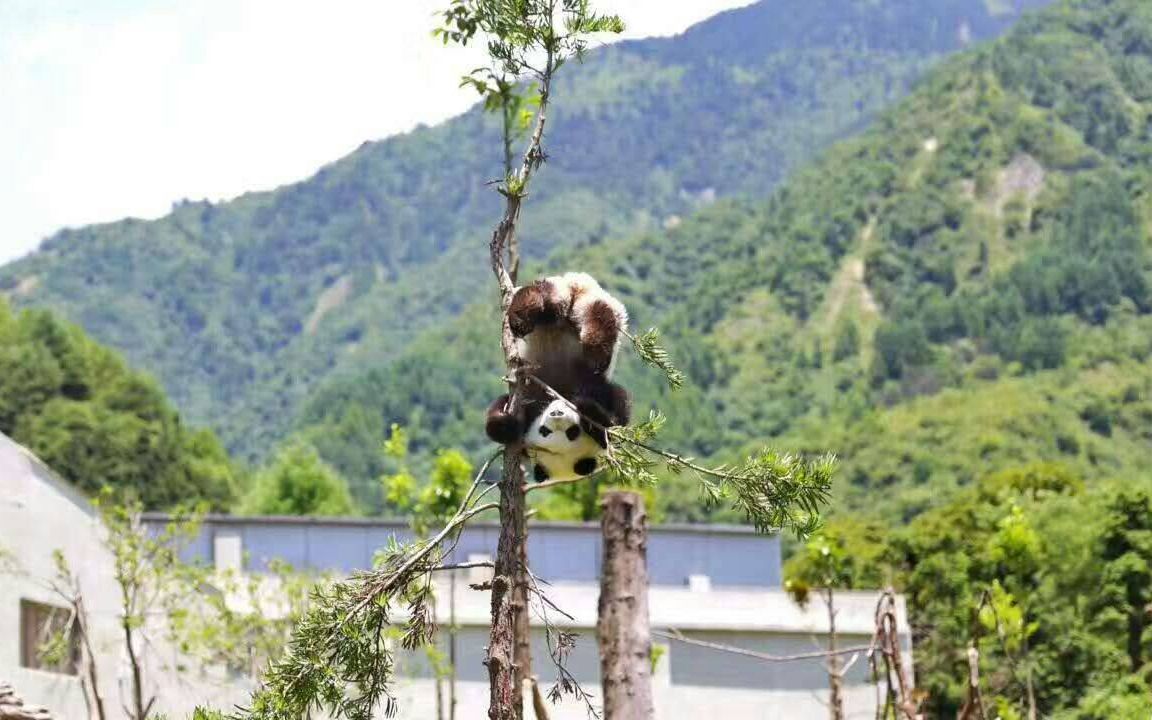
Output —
<point x="339" y="660"/>
<point x="653" y="354"/>
<point x="774" y="490"/>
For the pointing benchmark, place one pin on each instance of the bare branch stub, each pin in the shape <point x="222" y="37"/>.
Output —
<point x="886" y="643"/>
<point x="973" y="708"/>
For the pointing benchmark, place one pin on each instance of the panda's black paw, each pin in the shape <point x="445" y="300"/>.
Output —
<point x="533" y="305"/>
<point x="539" y="473"/>
<point x="503" y="428"/>
<point x="585" y="466"/>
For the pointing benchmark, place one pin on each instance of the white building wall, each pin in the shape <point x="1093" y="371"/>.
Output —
<point x="39" y="513"/>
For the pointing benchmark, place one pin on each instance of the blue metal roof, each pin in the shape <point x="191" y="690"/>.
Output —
<point x="732" y="556"/>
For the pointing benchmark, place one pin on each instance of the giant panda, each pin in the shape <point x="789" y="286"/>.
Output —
<point x="567" y="330"/>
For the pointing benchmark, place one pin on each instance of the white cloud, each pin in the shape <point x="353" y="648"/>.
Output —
<point x="120" y="107"/>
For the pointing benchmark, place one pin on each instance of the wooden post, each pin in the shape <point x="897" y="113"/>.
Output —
<point x="622" y="629"/>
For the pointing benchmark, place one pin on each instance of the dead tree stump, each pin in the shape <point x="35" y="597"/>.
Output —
<point x="622" y="629"/>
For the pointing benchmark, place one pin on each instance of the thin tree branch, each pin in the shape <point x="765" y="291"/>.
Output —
<point x="563" y="481"/>
<point x="1013" y="660"/>
<point x="558" y="651"/>
<point x="386" y="584"/>
<point x="463" y="566"/>
<point x="718" y="473"/>
<point x="887" y="641"/>
<point x="674" y="634"/>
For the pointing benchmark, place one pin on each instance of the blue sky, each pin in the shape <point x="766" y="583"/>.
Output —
<point x="115" y="108"/>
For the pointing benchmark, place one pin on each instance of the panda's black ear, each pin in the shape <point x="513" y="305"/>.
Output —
<point x="539" y="473"/>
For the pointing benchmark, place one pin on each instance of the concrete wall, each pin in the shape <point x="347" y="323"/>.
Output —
<point x="29" y="496"/>
<point x="39" y="514"/>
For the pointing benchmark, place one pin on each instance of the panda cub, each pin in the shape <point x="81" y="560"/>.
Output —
<point x="567" y="329"/>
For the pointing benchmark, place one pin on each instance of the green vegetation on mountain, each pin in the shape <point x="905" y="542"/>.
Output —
<point x="987" y="241"/>
<point x="242" y="308"/>
<point x="97" y="422"/>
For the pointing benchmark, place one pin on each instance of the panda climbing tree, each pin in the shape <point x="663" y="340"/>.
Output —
<point x="567" y="330"/>
<point x="563" y="415"/>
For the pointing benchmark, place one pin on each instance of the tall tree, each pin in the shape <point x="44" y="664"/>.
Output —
<point x="298" y="482"/>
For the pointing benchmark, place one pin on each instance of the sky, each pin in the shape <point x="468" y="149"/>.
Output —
<point x="117" y="108"/>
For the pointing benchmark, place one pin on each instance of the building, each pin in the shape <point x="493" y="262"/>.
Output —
<point x="713" y="584"/>
<point x="41" y="514"/>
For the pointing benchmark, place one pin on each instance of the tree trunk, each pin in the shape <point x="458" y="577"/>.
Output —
<point x="505" y="694"/>
<point x="91" y="682"/>
<point x="452" y="647"/>
<point x="622" y="629"/>
<point x="139" y="712"/>
<point x="523" y="629"/>
<point x="835" y="674"/>
<point x="510" y="574"/>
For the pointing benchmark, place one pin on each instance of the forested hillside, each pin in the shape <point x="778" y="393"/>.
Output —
<point x="961" y="288"/>
<point x="99" y="423"/>
<point x="242" y="308"/>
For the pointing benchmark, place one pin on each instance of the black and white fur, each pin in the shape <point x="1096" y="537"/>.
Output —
<point x="567" y="329"/>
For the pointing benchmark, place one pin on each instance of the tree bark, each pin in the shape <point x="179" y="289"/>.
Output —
<point x="138" y="710"/>
<point x="92" y="696"/>
<point x="510" y="572"/>
<point x="622" y="629"/>
<point x="973" y="708"/>
<point x="835" y="673"/>
<point x="509" y="581"/>
<point x="888" y="641"/>
<point x="505" y="693"/>
<point x="452" y="646"/>
<point x="523" y="628"/>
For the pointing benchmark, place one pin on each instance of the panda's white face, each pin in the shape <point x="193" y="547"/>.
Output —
<point x="558" y="445"/>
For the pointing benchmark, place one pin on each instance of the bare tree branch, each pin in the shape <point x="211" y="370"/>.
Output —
<point x="674" y="634"/>
<point x="974" y="704"/>
<point x="886" y="640"/>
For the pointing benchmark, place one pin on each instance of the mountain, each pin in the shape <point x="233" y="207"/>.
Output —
<point x="243" y="308"/>
<point x="963" y="287"/>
